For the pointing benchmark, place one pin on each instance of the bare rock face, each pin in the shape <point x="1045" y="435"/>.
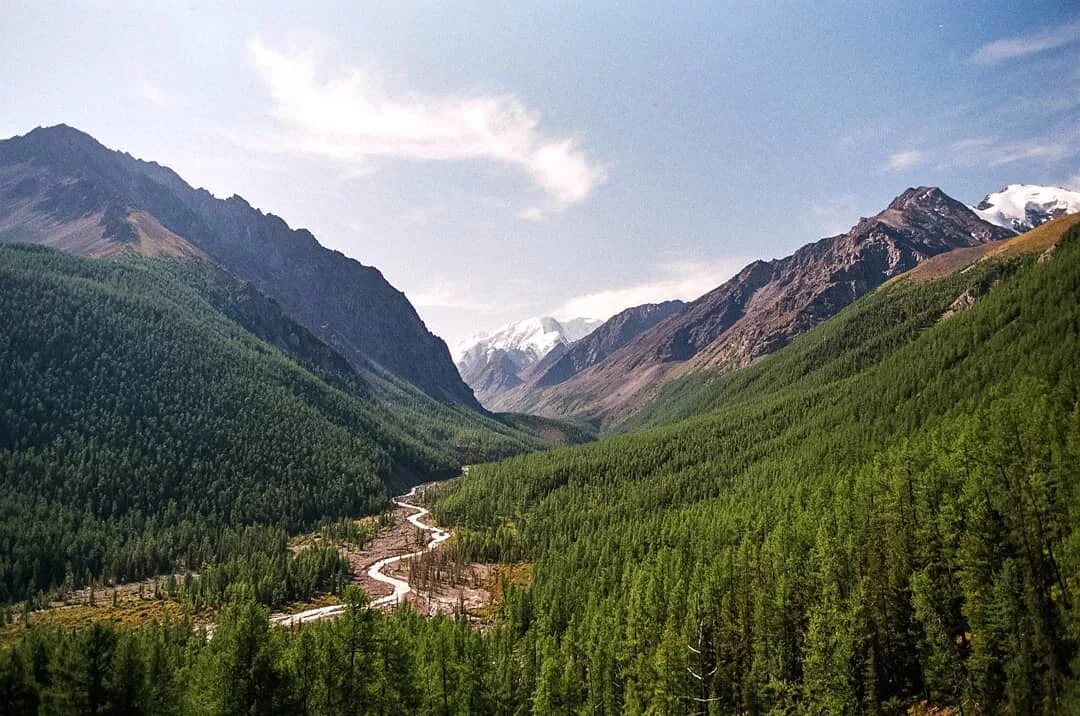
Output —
<point x="963" y="302"/>
<point x="615" y="333"/>
<point x="766" y="304"/>
<point x="818" y="280"/>
<point x="497" y="376"/>
<point x="564" y="362"/>
<point x="60" y="187"/>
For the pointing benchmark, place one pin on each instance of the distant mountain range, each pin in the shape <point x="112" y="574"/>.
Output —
<point x="60" y="188"/>
<point x="493" y="363"/>
<point x="565" y="361"/>
<point x="768" y="303"/>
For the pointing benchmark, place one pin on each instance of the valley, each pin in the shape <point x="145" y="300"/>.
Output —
<point x="841" y="481"/>
<point x="377" y="568"/>
<point x="382" y="565"/>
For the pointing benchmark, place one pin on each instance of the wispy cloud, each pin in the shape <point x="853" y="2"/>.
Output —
<point x="1013" y="47"/>
<point x="157" y="96"/>
<point x="349" y="116"/>
<point x="834" y="215"/>
<point x="684" y="280"/>
<point x="1019" y="151"/>
<point x="990" y="152"/>
<point x="447" y="295"/>
<point x="533" y="213"/>
<point x="906" y="159"/>
<point x="1054" y="146"/>
<point x="971" y="144"/>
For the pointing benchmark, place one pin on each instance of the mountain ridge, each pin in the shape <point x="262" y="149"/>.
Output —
<point x="62" y="188"/>
<point x="766" y="304"/>
<point x="496" y="362"/>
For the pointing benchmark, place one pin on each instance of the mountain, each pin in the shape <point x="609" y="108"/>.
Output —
<point x="493" y="363"/>
<point x="61" y="188"/>
<point x="564" y="362"/>
<point x="878" y="517"/>
<point x="149" y="404"/>
<point x="1022" y="207"/>
<point x="765" y="305"/>
<point x="498" y="373"/>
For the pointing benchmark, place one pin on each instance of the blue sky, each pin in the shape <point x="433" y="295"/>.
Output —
<point x="503" y="160"/>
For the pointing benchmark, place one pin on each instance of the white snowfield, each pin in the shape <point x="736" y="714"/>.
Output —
<point x="526" y="341"/>
<point x="1021" y="207"/>
<point x="401" y="587"/>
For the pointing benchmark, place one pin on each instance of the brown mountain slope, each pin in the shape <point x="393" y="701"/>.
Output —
<point x="1040" y="240"/>
<point x="768" y="303"/>
<point x="564" y="362"/>
<point x="61" y="188"/>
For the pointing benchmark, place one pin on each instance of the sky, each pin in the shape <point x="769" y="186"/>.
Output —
<point x="503" y="160"/>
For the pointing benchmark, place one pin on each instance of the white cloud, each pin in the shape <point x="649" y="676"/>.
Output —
<point x="533" y="213"/>
<point x="684" y="280"/>
<point x="904" y="160"/>
<point x="990" y="152"/>
<point x="1013" y="47"/>
<point x="1019" y="151"/>
<point x="157" y="96"/>
<point x="984" y="152"/>
<point x="352" y="118"/>
<point x="447" y="295"/>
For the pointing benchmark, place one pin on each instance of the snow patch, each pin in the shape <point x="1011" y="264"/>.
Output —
<point x="1022" y="207"/>
<point x="528" y="341"/>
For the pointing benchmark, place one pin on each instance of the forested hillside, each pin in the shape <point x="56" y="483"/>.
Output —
<point x="364" y="663"/>
<point x="142" y="419"/>
<point x="880" y="514"/>
<point x="879" y="517"/>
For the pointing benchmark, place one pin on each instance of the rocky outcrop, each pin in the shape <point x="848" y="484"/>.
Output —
<point x="962" y="303"/>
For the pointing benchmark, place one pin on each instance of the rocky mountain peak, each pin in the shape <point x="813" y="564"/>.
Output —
<point x="761" y="308"/>
<point x="492" y="363"/>
<point x="61" y="135"/>
<point x="920" y="197"/>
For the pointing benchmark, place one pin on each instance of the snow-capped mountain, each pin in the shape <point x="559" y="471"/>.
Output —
<point x="491" y="363"/>
<point x="1022" y="207"/>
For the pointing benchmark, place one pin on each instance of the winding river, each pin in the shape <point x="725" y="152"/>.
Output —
<point x="400" y="586"/>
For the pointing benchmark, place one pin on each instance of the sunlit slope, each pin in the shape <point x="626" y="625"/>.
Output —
<point x="885" y="321"/>
<point x="865" y="519"/>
